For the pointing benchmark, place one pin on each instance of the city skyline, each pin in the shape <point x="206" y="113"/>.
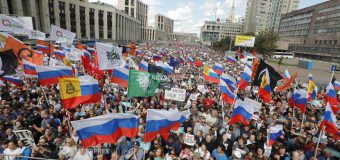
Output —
<point x="190" y="16"/>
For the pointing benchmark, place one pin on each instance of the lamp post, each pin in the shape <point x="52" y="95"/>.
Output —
<point x="231" y="40"/>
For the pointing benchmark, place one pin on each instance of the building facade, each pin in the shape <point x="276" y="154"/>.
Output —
<point x="315" y="29"/>
<point x="215" y="30"/>
<point x="165" y="24"/>
<point x="185" y="37"/>
<point x="264" y="15"/>
<point x="138" y="10"/>
<point x="88" y="20"/>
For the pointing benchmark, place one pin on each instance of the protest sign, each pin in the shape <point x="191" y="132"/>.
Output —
<point x="26" y="137"/>
<point x="189" y="139"/>
<point x="175" y="94"/>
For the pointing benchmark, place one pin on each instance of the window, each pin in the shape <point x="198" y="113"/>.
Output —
<point x="127" y="10"/>
<point x="335" y="42"/>
<point x="132" y="2"/>
<point x="132" y="12"/>
<point x="126" y="2"/>
<point x="324" y="41"/>
<point x="330" y="42"/>
<point x="316" y="41"/>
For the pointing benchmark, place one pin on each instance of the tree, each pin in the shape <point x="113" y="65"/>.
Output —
<point x="265" y="43"/>
<point x="224" y="44"/>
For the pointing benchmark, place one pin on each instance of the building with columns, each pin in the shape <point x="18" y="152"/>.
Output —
<point x="88" y="20"/>
<point x="165" y="24"/>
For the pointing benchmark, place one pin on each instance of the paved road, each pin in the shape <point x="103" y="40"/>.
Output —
<point x="321" y="71"/>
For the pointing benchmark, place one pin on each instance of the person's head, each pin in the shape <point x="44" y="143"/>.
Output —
<point x="199" y="133"/>
<point x="159" y="152"/>
<point x="9" y="131"/>
<point x="44" y="114"/>
<point x="208" y="138"/>
<point x="282" y="151"/>
<point x="252" y="138"/>
<point x="48" y="132"/>
<point x="203" y="147"/>
<point x="100" y="157"/>
<point x="70" y="142"/>
<point x="220" y="148"/>
<point x="4" y="144"/>
<point x="240" y="140"/>
<point x="135" y="144"/>
<point x="189" y="130"/>
<point x="12" y="145"/>
<point x="6" y="110"/>
<point x="114" y="156"/>
<point x="295" y="155"/>
<point x="259" y="151"/>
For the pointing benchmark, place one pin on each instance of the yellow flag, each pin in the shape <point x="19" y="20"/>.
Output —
<point x="67" y="62"/>
<point x="206" y="70"/>
<point x="69" y="87"/>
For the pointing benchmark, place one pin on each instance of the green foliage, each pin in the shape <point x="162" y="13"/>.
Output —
<point x="265" y="43"/>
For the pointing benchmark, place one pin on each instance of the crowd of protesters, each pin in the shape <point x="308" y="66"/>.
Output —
<point x="40" y="110"/>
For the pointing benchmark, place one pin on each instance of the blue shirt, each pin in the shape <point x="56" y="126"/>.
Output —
<point x="219" y="156"/>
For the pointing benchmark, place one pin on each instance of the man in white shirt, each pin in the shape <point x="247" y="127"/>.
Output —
<point x="12" y="151"/>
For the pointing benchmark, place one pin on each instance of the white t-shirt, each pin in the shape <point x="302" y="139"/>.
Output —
<point x="12" y="153"/>
<point x="86" y="156"/>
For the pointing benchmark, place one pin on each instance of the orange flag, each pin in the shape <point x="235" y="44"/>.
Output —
<point x="254" y="67"/>
<point x="23" y="51"/>
<point x="287" y="83"/>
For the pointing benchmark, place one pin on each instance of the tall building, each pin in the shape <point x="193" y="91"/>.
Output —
<point x="262" y="15"/>
<point x="232" y="17"/>
<point x="256" y="18"/>
<point x="165" y="24"/>
<point x="213" y="31"/>
<point x="184" y="37"/>
<point x="138" y="10"/>
<point x="88" y="20"/>
<point x="315" y="29"/>
<point x="279" y="7"/>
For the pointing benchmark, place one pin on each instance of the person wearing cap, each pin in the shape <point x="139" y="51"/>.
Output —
<point x="135" y="153"/>
<point x="123" y="146"/>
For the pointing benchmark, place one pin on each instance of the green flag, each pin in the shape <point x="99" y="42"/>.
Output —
<point x="142" y="84"/>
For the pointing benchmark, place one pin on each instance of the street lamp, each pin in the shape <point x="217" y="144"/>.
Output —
<point x="231" y="39"/>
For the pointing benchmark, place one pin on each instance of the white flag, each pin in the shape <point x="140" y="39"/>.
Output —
<point x="9" y="24"/>
<point x="109" y="57"/>
<point x="75" y="54"/>
<point x="61" y="35"/>
<point x="34" y="34"/>
<point x="132" y="63"/>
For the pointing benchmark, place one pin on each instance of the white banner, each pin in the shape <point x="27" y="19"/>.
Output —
<point x="256" y="105"/>
<point x="9" y="24"/>
<point x="175" y="94"/>
<point x="109" y="57"/>
<point x="34" y="34"/>
<point x="61" y="35"/>
<point x="75" y="54"/>
<point x="26" y="137"/>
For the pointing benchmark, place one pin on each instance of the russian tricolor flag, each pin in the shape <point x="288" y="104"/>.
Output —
<point x="227" y="95"/>
<point x="330" y="123"/>
<point x="330" y="96"/>
<point x="265" y="90"/>
<point x="230" y="81"/>
<point x="156" y="58"/>
<point x="29" y="68"/>
<point x="299" y="100"/>
<point x="106" y="128"/>
<point x="140" y="53"/>
<point x="59" y="54"/>
<point x="286" y="74"/>
<point x="231" y="60"/>
<point x="144" y="66"/>
<point x="190" y="60"/>
<point x="274" y="133"/>
<point x="218" y="68"/>
<point x="210" y="75"/>
<point x="162" y="53"/>
<point x="162" y="121"/>
<point x="16" y="81"/>
<point x="91" y="50"/>
<point x="165" y="67"/>
<point x="181" y="60"/>
<point x="87" y="54"/>
<point x="49" y="75"/>
<point x="336" y="85"/>
<point x="242" y="113"/>
<point x="245" y="78"/>
<point x="120" y="76"/>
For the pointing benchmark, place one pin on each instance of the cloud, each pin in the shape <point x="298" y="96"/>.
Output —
<point x="181" y="13"/>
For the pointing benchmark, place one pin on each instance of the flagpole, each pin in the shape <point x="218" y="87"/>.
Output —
<point x="232" y="106"/>
<point x="332" y="75"/>
<point x="317" y="144"/>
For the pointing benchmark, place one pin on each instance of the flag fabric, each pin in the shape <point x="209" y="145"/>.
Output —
<point x="181" y="60"/>
<point x="273" y="75"/>
<point x="312" y="90"/>
<point x="230" y="81"/>
<point x="120" y="76"/>
<point x="59" y="54"/>
<point x="8" y="63"/>
<point x="23" y="51"/>
<point x="9" y="24"/>
<point x="198" y="63"/>
<point x="143" y="66"/>
<point x="49" y="75"/>
<point x="274" y="133"/>
<point x="242" y="113"/>
<point x="162" y="121"/>
<point x="34" y="34"/>
<point x="132" y="64"/>
<point x="106" y="128"/>
<point x="299" y="100"/>
<point x="331" y="96"/>
<point x="310" y="76"/>
<point x="190" y="60"/>
<point x="156" y="57"/>
<point x="109" y="56"/>
<point x="287" y="83"/>
<point x="231" y="60"/>
<point x="165" y="67"/>
<point x="162" y="53"/>
<point x="61" y="35"/>
<point x="156" y="69"/>
<point x="44" y="47"/>
<point x="245" y="78"/>
<point x="227" y="95"/>
<point x="174" y="62"/>
<point x="286" y="74"/>
<point x="265" y="90"/>
<point x="330" y="123"/>
<point x="79" y="90"/>
<point x="336" y="85"/>
<point x="239" y="53"/>
<point x="29" y="68"/>
<point x="139" y="53"/>
<point x="87" y="54"/>
<point x="210" y="75"/>
<point x="142" y="84"/>
<point x="218" y="68"/>
<point x="16" y="81"/>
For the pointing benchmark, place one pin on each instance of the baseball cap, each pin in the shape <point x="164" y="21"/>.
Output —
<point x="135" y="144"/>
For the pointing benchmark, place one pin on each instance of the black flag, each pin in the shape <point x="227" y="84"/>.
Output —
<point x="156" y="70"/>
<point x="274" y="76"/>
<point x="8" y="63"/>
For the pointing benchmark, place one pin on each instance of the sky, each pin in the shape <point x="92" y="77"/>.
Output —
<point x="189" y="15"/>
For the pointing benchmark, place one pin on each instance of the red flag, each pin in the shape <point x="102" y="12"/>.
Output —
<point x="240" y="54"/>
<point x="286" y="83"/>
<point x="198" y="63"/>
